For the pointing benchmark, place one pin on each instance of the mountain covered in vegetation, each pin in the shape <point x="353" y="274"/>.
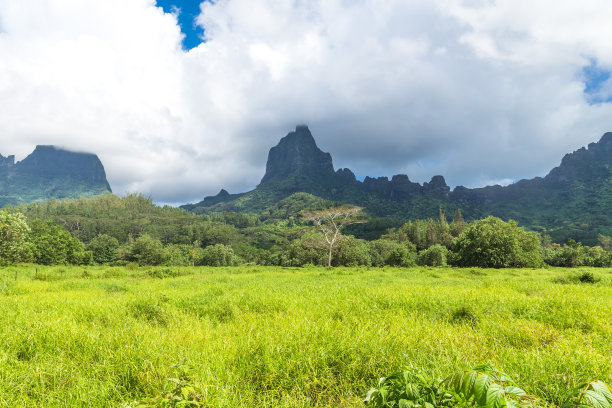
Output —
<point x="573" y="200"/>
<point x="50" y="172"/>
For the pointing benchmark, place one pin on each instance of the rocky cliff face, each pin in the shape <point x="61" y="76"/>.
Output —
<point x="298" y="162"/>
<point x="51" y="172"/>
<point x="584" y="169"/>
<point x="297" y="153"/>
<point x="7" y="161"/>
<point x="584" y="163"/>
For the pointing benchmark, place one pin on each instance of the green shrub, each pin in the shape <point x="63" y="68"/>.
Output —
<point x="464" y="314"/>
<point x="218" y="255"/>
<point x="351" y="252"/>
<point x="404" y="255"/>
<point x="147" y="250"/>
<point x="493" y="243"/>
<point x="163" y="273"/>
<point x="381" y="249"/>
<point x="587" y="277"/>
<point x="435" y="255"/>
<point x="103" y="248"/>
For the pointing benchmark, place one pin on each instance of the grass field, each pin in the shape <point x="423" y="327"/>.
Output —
<point x="270" y="337"/>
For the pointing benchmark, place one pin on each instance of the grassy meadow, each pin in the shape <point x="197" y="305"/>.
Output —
<point x="291" y="337"/>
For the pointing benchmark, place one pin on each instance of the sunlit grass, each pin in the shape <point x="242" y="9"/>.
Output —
<point x="255" y="336"/>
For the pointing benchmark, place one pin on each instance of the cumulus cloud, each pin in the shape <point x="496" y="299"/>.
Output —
<point x="475" y="90"/>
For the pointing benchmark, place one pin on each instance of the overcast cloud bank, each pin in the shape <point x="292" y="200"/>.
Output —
<point x="478" y="91"/>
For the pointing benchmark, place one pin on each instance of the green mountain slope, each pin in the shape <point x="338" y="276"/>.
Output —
<point x="573" y="200"/>
<point x="49" y="172"/>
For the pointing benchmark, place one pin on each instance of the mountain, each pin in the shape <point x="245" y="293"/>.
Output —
<point x="51" y="172"/>
<point x="573" y="200"/>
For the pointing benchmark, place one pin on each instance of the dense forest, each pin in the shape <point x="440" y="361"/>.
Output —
<point x="133" y="230"/>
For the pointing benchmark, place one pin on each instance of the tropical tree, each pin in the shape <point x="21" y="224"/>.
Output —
<point x="330" y="222"/>
<point x="13" y="238"/>
<point x="104" y="248"/>
<point x="494" y="243"/>
<point x="218" y="255"/>
<point x="53" y="245"/>
<point x="147" y="250"/>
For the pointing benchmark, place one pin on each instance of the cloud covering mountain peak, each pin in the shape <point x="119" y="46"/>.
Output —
<point x="390" y="87"/>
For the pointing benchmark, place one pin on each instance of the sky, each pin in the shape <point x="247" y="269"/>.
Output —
<point x="180" y="99"/>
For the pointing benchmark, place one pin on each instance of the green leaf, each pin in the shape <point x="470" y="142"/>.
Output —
<point x="496" y="398"/>
<point x="603" y="389"/>
<point x="596" y="399"/>
<point x="412" y="391"/>
<point x="512" y="390"/>
<point x="468" y="382"/>
<point x="481" y="386"/>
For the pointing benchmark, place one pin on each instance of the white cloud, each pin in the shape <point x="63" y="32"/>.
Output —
<point x="476" y="91"/>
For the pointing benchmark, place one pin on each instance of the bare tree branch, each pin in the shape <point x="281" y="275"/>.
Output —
<point x="330" y="222"/>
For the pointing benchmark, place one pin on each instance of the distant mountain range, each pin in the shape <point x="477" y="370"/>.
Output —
<point x="50" y="172"/>
<point x="573" y="200"/>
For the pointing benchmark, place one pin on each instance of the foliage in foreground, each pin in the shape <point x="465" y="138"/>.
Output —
<point x="101" y="336"/>
<point x="483" y="387"/>
<point x="181" y="392"/>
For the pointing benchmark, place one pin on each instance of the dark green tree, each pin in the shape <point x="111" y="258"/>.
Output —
<point x="351" y="252"/>
<point x="103" y="248"/>
<point x="14" y="238"/>
<point x="53" y="245"/>
<point x="147" y="250"/>
<point x="218" y="255"/>
<point x="493" y="243"/>
<point x="435" y="255"/>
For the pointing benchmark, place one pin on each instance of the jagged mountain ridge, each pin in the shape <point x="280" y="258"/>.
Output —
<point x="51" y="172"/>
<point x="578" y="191"/>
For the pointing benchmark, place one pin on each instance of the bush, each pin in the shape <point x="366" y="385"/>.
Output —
<point x="483" y="387"/>
<point x="351" y="252"/>
<point x="53" y="245"/>
<point x="587" y="277"/>
<point x="147" y="250"/>
<point x="435" y="255"/>
<point x="380" y="250"/>
<point x="218" y="255"/>
<point x="404" y="255"/>
<point x="103" y="248"/>
<point x="305" y="250"/>
<point x="493" y="243"/>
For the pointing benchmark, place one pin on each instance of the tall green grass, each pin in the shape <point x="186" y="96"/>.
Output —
<point x="270" y="337"/>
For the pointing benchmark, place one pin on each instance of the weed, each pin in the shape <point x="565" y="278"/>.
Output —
<point x="587" y="277"/>
<point x="149" y="310"/>
<point x="464" y="314"/>
<point x="181" y="392"/>
<point x="163" y="273"/>
<point x="484" y="387"/>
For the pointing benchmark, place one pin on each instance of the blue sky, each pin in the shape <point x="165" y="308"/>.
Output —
<point x="187" y="10"/>
<point x="595" y="79"/>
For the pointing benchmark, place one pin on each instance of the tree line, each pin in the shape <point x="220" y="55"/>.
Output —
<point x="116" y="231"/>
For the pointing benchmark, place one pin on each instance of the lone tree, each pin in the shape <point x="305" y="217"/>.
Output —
<point x="330" y="222"/>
